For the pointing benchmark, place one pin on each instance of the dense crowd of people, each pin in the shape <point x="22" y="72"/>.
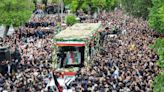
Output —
<point x="125" y="63"/>
<point x="45" y="21"/>
<point x="29" y="68"/>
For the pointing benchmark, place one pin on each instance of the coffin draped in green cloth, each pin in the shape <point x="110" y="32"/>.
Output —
<point x="78" y="32"/>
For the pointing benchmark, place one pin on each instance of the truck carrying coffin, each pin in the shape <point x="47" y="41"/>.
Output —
<point x="74" y="47"/>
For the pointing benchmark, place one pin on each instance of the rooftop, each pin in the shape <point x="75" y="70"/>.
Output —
<point x="78" y="31"/>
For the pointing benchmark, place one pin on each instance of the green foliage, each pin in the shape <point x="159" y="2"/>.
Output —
<point x="111" y="4"/>
<point x="78" y="4"/>
<point x="98" y="3"/>
<point x="104" y="4"/>
<point x="67" y="2"/>
<point x="54" y="1"/>
<point x="70" y="20"/>
<point x="34" y="1"/>
<point x="159" y="47"/>
<point x="73" y="5"/>
<point x="156" y="16"/>
<point x="159" y="43"/>
<point x="137" y="8"/>
<point x="158" y="83"/>
<point x="15" y="12"/>
<point x="92" y="5"/>
<point x="84" y="6"/>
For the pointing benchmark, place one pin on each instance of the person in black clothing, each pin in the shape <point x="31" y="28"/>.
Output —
<point x="61" y="56"/>
<point x="102" y="36"/>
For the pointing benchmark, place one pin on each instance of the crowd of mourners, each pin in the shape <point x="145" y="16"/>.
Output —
<point x="45" y="21"/>
<point x="31" y="50"/>
<point x="125" y="62"/>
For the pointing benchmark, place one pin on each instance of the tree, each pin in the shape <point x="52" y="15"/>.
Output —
<point x="158" y="83"/>
<point x="92" y="5"/>
<point x="99" y="4"/>
<point x="111" y="4"/>
<point x="70" y="20"/>
<point x="35" y="2"/>
<point x="15" y="12"/>
<point x="137" y="8"/>
<point x="74" y="5"/>
<point x="158" y="46"/>
<point x="156" y="16"/>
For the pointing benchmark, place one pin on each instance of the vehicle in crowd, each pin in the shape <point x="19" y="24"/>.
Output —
<point x="73" y="49"/>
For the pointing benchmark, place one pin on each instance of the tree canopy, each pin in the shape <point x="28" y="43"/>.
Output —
<point x="158" y="83"/>
<point x="137" y="8"/>
<point x="156" y="16"/>
<point x="92" y="5"/>
<point x="158" y="46"/>
<point x="15" y="12"/>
